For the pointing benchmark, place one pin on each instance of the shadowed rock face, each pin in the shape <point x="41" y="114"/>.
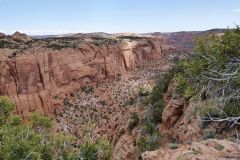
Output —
<point x="39" y="77"/>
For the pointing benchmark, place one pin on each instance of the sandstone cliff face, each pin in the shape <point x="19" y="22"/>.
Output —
<point x="179" y="120"/>
<point x="39" y="78"/>
<point x="211" y="149"/>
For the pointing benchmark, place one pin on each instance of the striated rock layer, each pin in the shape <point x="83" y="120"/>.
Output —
<point x="211" y="149"/>
<point x="39" y="78"/>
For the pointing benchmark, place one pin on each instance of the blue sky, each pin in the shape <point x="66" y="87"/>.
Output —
<point x="112" y="16"/>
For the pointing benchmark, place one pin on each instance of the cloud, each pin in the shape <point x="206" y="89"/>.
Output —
<point x="236" y="10"/>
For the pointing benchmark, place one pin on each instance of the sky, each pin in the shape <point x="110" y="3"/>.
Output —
<point x="38" y="17"/>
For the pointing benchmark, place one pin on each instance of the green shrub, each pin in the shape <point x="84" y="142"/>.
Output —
<point x="232" y="110"/>
<point x="157" y="111"/>
<point x="87" y="89"/>
<point x="149" y="128"/>
<point x="150" y="138"/>
<point x="27" y="140"/>
<point x="208" y="71"/>
<point x="94" y="150"/>
<point x="149" y="142"/>
<point x="134" y="120"/>
<point x="40" y="121"/>
<point x="131" y="37"/>
<point x="213" y="111"/>
<point x="145" y="90"/>
<point x="15" y="120"/>
<point x="209" y="133"/>
<point x="7" y="44"/>
<point x="157" y="95"/>
<point x="6" y="107"/>
<point x="105" y="151"/>
<point x="218" y="146"/>
<point x="59" y="46"/>
<point x="145" y="101"/>
<point x="173" y="145"/>
<point x="88" y="150"/>
<point x="182" y="86"/>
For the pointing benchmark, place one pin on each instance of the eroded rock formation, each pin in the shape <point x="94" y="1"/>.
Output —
<point x="17" y="36"/>
<point x="211" y="149"/>
<point x="178" y="118"/>
<point x="38" y="78"/>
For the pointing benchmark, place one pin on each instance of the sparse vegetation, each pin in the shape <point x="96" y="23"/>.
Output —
<point x="173" y="145"/>
<point x="87" y="89"/>
<point x="92" y="149"/>
<point x="8" y="44"/>
<point x="148" y="142"/>
<point x="218" y="146"/>
<point x="209" y="133"/>
<point x="33" y="139"/>
<point x="157" y="95"/>
<point x="134" y="120"/>
<point x="211" y="74"/>
<point x="131" y="37"/>
<point x="56" y="46"/>
<point x="99" y="41"/>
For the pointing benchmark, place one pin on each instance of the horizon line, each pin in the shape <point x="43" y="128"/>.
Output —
<point x="31" y="32"/>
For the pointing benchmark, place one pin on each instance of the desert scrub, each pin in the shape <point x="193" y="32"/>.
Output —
<point x="157" y="96"/>
<point x="99" y="41"/>
<point x="33" y="139"/>
<point x="213" y="72"/>
<point x="134" y="120"/>
<point x="209" y="133"/>
<point x="145" y="90"/>
<point x="218" y="146"/>
<point x="211" y="108"/>
<point x="173" y="145"/>
<point x="131" y="37"/>
<point x="148" y="142"/>
<point x="7" y="44"/>
<point x="87" y="89"/>
<point x="182" y="86"/>
<point x="150" y="138"/>
<point x="56" y="46"/>
<point x="94" y="149"/>
<point x="232" y="109"/>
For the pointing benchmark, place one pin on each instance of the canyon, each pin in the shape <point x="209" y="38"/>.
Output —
<point x="98" y="80"/>
<point x="38" y="78"/>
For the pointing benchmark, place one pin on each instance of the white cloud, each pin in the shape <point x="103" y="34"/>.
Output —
<point x="236" y="10"/>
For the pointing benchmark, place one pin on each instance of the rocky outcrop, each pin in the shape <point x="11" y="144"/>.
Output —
<point x="206" y="150"/>
<point x="17" y="36"/>
<point x="39" y="78"/>
<point x="179" y="119"/>
<point x="2" y="35"/>
<point x="125" y="149"/>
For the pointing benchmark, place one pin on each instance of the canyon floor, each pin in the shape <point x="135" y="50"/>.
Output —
<point x="92" y="84"/>
<point x="108" y="105"/>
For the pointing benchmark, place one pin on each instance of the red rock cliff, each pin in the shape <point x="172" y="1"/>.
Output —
<point x="37" y="78"/>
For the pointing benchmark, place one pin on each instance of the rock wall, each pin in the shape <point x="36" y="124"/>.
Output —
<point x="211" y="149"/>
<point x="179" y="120"/>
<point x="39" y="78"/>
